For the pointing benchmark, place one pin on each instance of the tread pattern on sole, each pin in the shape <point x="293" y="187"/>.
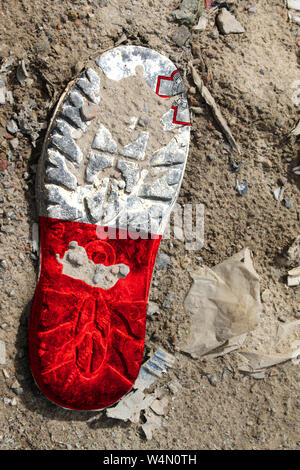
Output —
<point x="118" y="185"/>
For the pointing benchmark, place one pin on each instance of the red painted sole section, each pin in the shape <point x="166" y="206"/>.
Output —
<point x="86" y="344"/>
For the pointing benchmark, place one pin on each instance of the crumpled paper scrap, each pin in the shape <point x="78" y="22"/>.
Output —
<point x="224" y="303"/>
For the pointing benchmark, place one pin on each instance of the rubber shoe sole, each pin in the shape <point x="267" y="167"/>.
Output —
<point x="108" y="177"/>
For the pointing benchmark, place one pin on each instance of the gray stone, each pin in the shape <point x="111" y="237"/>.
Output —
<point x="186" y="13"/>
<point x="288" y="202"/>
<point x="12" y="127"/>
<point x="181" y="36"/>
<point x="3" y="264"/>
<point x="228" y="24"/>
<point x="152" y="308"/>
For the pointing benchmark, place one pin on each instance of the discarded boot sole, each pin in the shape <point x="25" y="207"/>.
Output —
<point x="109" y="174"/>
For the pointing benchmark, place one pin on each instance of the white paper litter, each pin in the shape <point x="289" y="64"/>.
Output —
<point x="129" y="408"/>
<point x="293" y="4"/>
<point x="224" y="303"/>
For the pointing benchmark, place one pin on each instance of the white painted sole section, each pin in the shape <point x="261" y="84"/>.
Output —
<point x="87" y="175"/>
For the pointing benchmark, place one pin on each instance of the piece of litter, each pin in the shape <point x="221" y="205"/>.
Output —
<point x="122" y="39"/>
<point x="159" y="406"/>
<point x="153" y="422"/>
<point x="257" y="363"/>
<point x="242" y="188"/>
<point x="294" y="277"/>
<point x="129" y="407"/>
<point x="22" y="73"/>
<point x="293" y="4"/>
<point x="286" y="329"/>
<point x="35" y="238"/>
<point x="277" y="193"/>
<point x="296" y="130"/>
<point x="2" y="92"/>
<point x="296" y="170"/>
<point x="153" y="369"/>
<point x="208" y="98"/>
<point x="224" y="303"/>
<point x="2" y="353"/>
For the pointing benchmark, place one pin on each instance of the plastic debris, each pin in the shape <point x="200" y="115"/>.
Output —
<point x="293" y="4"/>
<point x="22" y="73"/>
<point x="242" y="188"/>
<point x="208" y="98"/>
<point x="153" y="422"/>
<point x="258" y="363"/>
<point x="296" y="130"/>
<point x="35" y="238"/>
<point x="129" y="407"/>
<point x="2" y="353"/>
<point x="153" y="369"/>
<point x="294" y="15"/>
<point x="296" y="170"/>
<point x="277" y="192"/>
<point x="2" y="91"/>
<point x="224" y="303"/>
<point x="294" y="277"/>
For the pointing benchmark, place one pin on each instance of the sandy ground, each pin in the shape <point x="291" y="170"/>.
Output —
<point x="251" y="76"/>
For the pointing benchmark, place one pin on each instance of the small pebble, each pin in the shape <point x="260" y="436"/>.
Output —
<point x="12" y="127"/>
<point x="288" y="202"/>
<point x="212" y="380"/>
<point x="211" y="157"/>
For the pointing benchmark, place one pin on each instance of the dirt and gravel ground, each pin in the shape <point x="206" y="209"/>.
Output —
<point x="253" y="77"/>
